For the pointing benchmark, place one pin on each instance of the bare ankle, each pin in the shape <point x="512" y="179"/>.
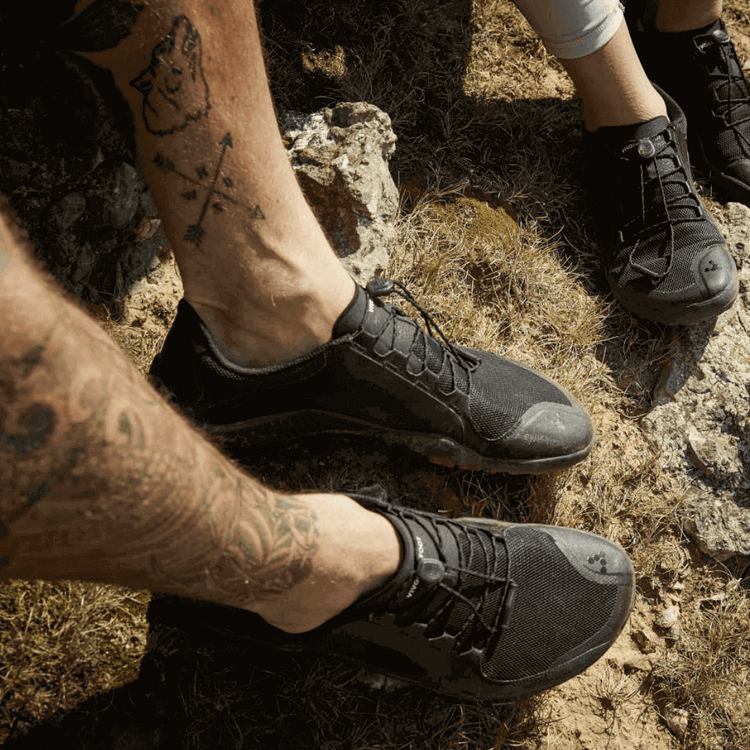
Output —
<point x="651" y="105"/>
<point x="255" y="331"/>
<point x="356" y="550"/>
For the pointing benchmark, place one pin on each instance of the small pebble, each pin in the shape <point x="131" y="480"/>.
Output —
<point x="677" y="720"/>
<point x="645" y="641"/>
<point x="668" y="617"/>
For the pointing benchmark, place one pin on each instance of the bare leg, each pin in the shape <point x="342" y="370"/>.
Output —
<point x="686" y="15"/>
<point x="613" y="85"/>
<point x="102" y="481"/>
<point x="255" y="264"/>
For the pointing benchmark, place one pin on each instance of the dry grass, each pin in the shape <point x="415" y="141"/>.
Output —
<point x="61" y="642"/>
<point x="494" y="240"/>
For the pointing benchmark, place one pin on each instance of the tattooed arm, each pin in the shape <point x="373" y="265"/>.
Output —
<point x="101" y="480"/>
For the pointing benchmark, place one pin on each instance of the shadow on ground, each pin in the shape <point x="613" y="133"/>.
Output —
<point x="199" y="689"/>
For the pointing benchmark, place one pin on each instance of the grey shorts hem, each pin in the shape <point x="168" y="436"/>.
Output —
<point x="591" y="41"/>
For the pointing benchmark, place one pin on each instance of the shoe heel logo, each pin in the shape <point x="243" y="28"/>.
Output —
<point x="599" y="559"/>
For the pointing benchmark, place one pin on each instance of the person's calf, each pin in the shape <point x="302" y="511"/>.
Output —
<point x="253" y="259"/>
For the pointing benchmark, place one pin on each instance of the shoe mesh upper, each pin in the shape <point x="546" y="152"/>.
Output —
<point x="662" y="224"/>
<point x="503" y="391"/>
<point x="555" y="608"/>
<point x="500" y="391"/>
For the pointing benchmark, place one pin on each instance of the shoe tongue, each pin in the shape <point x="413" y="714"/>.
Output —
<point x="648" y="129"/>
<point x="350" y="321"/>
<point x="421" y="568"/>
<point x="619" y="134"/>
<point x="709" y="28"/>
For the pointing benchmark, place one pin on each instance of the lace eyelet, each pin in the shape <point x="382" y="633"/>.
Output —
<point x="646" y="148"/>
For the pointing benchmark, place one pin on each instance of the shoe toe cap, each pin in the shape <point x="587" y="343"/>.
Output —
<point x="696" y="290"/>
<point x="716" y="270"/>
<point x="594" y="557"/>
<point x="573" y="596"/>
<point x="551" y="429"/>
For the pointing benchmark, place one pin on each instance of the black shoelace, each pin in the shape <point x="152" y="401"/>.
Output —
<point x="665" y="198"/>
<point x="727" y="82"/>
<point x="420" y="346"/>
<point x="489" y="610"/>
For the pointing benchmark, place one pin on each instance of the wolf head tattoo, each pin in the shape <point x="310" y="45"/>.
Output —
<point x="175" y="92"/>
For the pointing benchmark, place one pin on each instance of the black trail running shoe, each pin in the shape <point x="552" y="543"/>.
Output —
<point x="479" y="608"/>
<point x="701" y="70"/>
<point x="664" y="258"/>
<point x="380" y="375"/>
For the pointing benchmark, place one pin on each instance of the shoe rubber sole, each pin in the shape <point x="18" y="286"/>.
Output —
<point x="678" y="314"/>
<point x="439" y="449"/>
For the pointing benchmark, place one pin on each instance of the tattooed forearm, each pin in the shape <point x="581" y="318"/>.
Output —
<point x="261" y="553"/>
<point x="101" y="480"/>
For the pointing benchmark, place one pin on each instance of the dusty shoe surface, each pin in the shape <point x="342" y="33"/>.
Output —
<point x="479" y="609"/>
<point x="664" y="257"/>
<point x="380" y="375"/>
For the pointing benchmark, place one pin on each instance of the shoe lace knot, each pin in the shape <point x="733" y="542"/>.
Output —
<point x="450" y="363"/>
<point x="666" y="199"/>
<point x="477" y="598"/>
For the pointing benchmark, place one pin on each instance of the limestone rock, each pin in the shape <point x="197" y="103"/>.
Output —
<point x="668" y="617"/>
<point x="340" y="155"/>
<point x="701" y="413"/>
<point x="720" y="528"/>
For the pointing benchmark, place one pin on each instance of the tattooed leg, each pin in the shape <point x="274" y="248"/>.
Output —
<point x="101" y="480"/>
<point x="254" y="261"/>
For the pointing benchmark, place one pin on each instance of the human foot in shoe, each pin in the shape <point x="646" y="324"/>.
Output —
<point x="478" y="608"/>
<point x="380" y="375"/>
<point x="701" y="70"/>
<point x="664" y="258"/>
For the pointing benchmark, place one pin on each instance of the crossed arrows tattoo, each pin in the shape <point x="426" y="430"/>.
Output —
<point x="215" y="194"/>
